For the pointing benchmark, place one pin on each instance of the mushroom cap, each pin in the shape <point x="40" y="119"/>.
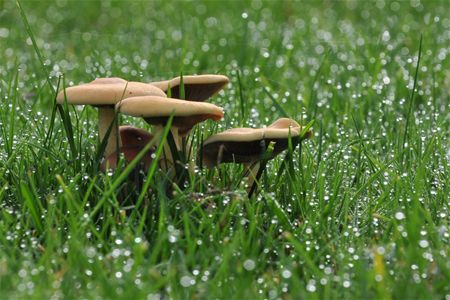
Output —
<point x="133" y="141"/>
<point x="157" y="110"/>
<point x="244" y="145"/>
<point x="133" y="136"/>
<point x="106" y="91"/>
<point x="196" y="87"/>
<point x="280" y="129"/>
<point x="130" y="152"/>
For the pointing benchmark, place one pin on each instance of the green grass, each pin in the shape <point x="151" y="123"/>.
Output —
<point x="360" y="211"/>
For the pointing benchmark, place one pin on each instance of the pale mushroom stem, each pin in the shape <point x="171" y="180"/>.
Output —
<point x="251" y="169"/>
<point x="167" y="152"/>
<point x="106" y="118"/>
<point x="176" y="137"/>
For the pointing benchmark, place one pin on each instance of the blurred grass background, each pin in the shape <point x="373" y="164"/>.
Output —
<point x="360" y="218"/>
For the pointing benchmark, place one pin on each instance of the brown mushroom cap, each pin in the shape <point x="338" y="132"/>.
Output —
<point x="133" y="141"/>
<point x="106" y="91"/>
<point x="196" y="87"/>
<point x="133" y="136"/>
<point x="245" y="145"/>
<point x="157" y="110"/>
<point x="130" y="152"/>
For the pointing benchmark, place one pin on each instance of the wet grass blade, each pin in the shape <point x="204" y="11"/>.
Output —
<point x="313" y="104"/>
<point x="31" y="204"/>
<point x="266" y="156"/>
<point x="281" y="215"/>
<point x="154" y="165"/>
<point x="48" y="136"/>
<point x="276" y="104"/>
<point x="289" y="155"/>
<point x="67" y="124"/>
<point x="179" y="159"/>
<point x="120" y="179"/>
<point x="241" y="98"/>
<point x="35" y="46"/>
<point x="411" y="99"/>
<point x="64" y="114"/>
<point x="12" y="114"/>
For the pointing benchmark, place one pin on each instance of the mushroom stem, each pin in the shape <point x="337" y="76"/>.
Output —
<point x="176" y="137"/>
<point x="106" y="118"/>
<point x="252" y="169"/>
<point x="167" y="151"/>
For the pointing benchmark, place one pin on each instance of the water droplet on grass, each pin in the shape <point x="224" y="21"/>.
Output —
<point x="423" y="244"/>
<point x="311" y="286"/>
<point x="187" y="281"/>
<point x="249" y="265"/>
<point x="286" y="274"/>
<point x="399" y="215"/>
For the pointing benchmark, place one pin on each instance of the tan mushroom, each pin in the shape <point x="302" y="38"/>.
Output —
<point x="196" y="87"/>
<point x="104" y="93"/>
<point x="157" y="111"/>
<point x="249" y="145"/>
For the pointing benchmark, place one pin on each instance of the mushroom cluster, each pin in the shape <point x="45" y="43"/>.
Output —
<point x="181" y="100"/>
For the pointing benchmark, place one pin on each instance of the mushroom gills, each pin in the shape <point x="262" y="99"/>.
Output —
<point x="184" y="124"/>
<point x="196" y="92"/>
<point x="196" y="87"/>
<point x="242" y="152"/>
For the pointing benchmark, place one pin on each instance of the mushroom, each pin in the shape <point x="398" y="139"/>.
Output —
<point x="249" y="145"/>
<point x="196" y="87"/>
<point x="157" y="110"/>
<point x="104" y="93"/>
<point x="133" y="141"/>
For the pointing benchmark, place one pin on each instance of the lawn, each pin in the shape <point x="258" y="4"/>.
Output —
<point x="359" y="211"/>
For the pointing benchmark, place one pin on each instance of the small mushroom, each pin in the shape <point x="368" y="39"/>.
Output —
<point x="249" y="145"/>
<point x="196" y="87"/>
<point x="133" y="141"/>
<point x="157" y="111"/>
<point x="104" y="93"/>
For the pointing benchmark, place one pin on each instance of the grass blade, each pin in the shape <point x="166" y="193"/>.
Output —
<point x="411" y="99"/>
<point x="275" y="102"/>
<point x="31" y="203"/>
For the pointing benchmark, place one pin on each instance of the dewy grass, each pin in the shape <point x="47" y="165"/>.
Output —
<point x="352" y="213"/>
